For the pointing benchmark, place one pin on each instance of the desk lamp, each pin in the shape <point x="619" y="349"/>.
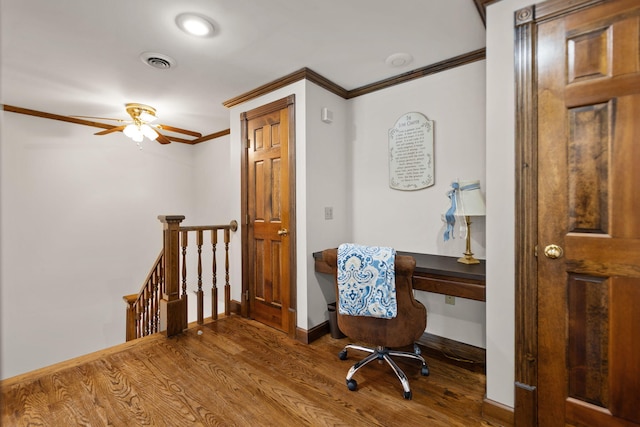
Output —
<point x="466" y="201"/>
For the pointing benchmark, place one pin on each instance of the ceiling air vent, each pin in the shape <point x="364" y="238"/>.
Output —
<point x="157" y="60"/>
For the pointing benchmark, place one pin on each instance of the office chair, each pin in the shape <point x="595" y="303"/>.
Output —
<point x="402" y="330"/>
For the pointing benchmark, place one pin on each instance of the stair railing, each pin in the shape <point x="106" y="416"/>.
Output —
<point x="160" y="305"/>
<point x="143" y="308"/>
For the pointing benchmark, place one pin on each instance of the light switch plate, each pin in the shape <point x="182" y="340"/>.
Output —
<point x="328" y="212"/>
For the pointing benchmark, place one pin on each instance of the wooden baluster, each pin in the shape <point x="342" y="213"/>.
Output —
<point x="150" y="308"/>
<point x="131" y="316"/>
<point x="162" y="282"/>
<point x="173" y="309"/>
<point x="139" y="325"/>
<point x="154" y="301"/>
<point x="149" y="286"/>
<point x="158" y="295"/>
<point x="185" y="242"/>
<point x="145" y="312"/>
<point x="141" y="313"/>
<point x="214" y="279"/>
<point x="199" y="294"/>
<point x="161" y="290"/>
<point x="227" y="287"/>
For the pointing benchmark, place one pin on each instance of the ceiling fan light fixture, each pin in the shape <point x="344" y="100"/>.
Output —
<point x="141" y="112"/>
<point x="147" y="116"/>
<point x="131" y="131"/>
<point x="195" y="24"/>
<point x="149" y="132"/>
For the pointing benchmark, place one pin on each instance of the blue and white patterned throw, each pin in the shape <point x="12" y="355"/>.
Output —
<point x="367" y="281"/>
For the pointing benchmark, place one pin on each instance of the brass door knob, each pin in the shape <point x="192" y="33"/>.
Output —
<point x="283" y="232"/>
<point x="553" y="251"/>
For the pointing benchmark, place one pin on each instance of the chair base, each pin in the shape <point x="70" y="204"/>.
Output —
<point x="384" y="353"/>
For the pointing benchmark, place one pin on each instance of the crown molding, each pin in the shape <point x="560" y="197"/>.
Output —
<point x="36" y="113"/>
<point x="302" y="74"/>
<point x="51" y="116"/>
<point x="481" y="5"/>
<point x="447" y="64"/>
<point x="312" y="76"/>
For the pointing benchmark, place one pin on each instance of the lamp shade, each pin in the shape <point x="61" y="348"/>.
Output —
<point x="469" y="201"/>
<point x="131" y="130"/>
<point x="149" y="132"/>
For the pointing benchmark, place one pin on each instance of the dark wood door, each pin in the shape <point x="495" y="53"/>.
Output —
<point x="269" y="212"/>
<point x="588" y="65"/>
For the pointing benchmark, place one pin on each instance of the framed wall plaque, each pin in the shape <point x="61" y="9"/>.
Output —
<point x="411" y="153"/>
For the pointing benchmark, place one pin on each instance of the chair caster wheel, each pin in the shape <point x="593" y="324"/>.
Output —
<point x="424" y="371"/>
<point x="343" y="355"/>
<point x="407" y="395"/>
<point x="352" y="385"/>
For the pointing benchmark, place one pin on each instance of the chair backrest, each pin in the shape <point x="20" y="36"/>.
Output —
<point x="405" y="328"/>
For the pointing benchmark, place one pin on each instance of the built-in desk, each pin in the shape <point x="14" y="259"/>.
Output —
<point x="442" y="275"/>
<point x="437" y="273"/>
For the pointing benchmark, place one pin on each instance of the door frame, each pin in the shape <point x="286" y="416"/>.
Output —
<point x="526" y="201"/>
<point x="246" y="297"/>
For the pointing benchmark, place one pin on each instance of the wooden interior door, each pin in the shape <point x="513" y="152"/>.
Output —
<point x="268" y="195"/>
<point x="588" y="65"/>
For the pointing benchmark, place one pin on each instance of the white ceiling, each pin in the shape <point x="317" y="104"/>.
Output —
<point x="82" y="57"/>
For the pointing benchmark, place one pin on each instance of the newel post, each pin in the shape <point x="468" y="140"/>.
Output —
<point x="173" y="309"/>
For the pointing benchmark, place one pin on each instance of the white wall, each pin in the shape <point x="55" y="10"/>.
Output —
<point x="211" y="168"/>
<point x="328" y="184"/>
<point x="411" y="220"/>
<point x="212" y="206"/>
<point x="454" y="99"/>
<point x="78" y="231"/>
<point x="500" y="200"/>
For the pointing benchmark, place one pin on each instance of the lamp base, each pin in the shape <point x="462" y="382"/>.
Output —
<point x="468" y="259"/>
<point x="468" y="255"/>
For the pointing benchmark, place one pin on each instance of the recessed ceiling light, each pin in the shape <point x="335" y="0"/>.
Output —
<point x="399" y="60"/>
<point x="195" y="24"/>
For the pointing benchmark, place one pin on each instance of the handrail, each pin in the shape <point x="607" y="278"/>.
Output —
<point x="143" y="314"/>
<point x="233" y="226"/>
<point x="159" y="305"/>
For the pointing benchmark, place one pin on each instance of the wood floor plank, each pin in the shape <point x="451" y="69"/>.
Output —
<point x="219" y="376"/>
<point x="239" y="373"/>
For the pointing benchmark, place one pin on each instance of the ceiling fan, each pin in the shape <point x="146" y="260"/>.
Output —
<point x="141" y="126"/>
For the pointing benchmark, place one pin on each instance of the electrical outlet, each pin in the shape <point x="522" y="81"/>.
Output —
<point x="450" y="299"/>
<point x="328" y="212"/>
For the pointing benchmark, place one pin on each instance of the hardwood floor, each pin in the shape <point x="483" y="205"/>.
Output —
<point x="237" y="373"/>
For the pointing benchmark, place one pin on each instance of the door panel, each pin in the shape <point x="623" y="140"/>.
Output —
<point x="588" y="164"/>
<point x="588" y="339"/>
<point x="269" y="229"/>
<point x="588" y="173"/>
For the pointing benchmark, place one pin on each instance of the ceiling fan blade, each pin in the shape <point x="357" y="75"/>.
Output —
<point x="162" y="139"/>
<point x="100" y="118"/>
<point x="184" y="131"/>
<point x="113" y="129"/>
